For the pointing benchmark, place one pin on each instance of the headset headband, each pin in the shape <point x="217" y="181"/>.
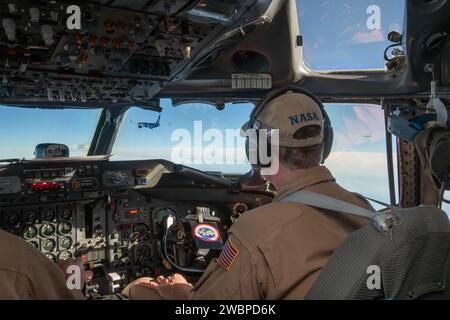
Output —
<point x="279" y="92"/>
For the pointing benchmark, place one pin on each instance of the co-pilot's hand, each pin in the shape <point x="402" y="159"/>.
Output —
<point x="174" y="287"/>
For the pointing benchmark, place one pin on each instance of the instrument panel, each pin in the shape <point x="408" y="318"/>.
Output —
<point x="102" y="52"/>
<point x="114" y="216"/>
<point x="49" y="228"/>
<point x="116" y="55"/>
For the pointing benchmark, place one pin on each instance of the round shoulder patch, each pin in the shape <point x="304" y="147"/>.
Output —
<point x="206" y="232"/>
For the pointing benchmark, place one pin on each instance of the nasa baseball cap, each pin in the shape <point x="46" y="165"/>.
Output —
<point x="288" y="113"/>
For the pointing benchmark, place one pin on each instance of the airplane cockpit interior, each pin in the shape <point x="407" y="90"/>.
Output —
<point x="120" y="120"/>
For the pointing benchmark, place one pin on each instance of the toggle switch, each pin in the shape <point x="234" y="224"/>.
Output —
<point x="34" y="14"/>
<point x="12" y="7"/>
<point x="47" y="34"/>
<point x="9" y="26"/>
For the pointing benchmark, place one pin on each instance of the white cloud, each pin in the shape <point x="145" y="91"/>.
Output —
<point x="368" y="37"/>
<point x="362" y="172"/>
<point x="367" y="125"/>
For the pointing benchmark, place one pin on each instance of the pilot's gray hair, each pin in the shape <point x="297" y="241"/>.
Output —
<point x="303" y="157"/>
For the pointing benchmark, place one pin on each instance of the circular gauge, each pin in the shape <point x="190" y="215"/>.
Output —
<point x="31" y="217"/>
<point x="34" y="243"/>
<point x="118" y="177"/>
<point x="64" y="228"/>
<point x="161" y="213"/>
<point x="66" y="214"/>
<point x="65" y="255"/>
<point x="12" y="218"/>
<point x="143" y="254"/>
<point x="49" y="245"/>
<point x="50" y="256"/>
<point x="30" y="232"/>
<point x="48" y="215"/>
<point x="48" y="230"/>
<point x="65" y="242"/>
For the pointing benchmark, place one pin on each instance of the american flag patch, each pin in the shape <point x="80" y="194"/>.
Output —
<point x="228" y="255"/>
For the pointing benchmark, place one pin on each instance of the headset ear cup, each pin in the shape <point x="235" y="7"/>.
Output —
<point x="256" y="149"/>
<point x="327" y="141"/>
<point x="248" y="146"/>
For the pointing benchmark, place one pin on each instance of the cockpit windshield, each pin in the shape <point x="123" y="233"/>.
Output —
<point x="347" y="34"/>
<point x="201" y="136"/>
<point x="194" y="134"/>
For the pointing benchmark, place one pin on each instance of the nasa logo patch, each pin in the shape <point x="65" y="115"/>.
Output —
<point x="206" y="232"/>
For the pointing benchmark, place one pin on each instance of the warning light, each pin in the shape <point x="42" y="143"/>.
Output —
<point x="92" y="39"/>
<point x="43" y="186"/>
<point x="104" y="41"/>
<point x="133" y="211"/>
<point x="117" y="43"/>
<point x="109" y="26"/>
<point x="120" y="26"/>
<point x="78" y="37"/>
<point x="83" y="58"/>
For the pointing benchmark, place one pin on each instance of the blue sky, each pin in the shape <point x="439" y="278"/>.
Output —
<point x="335" y="37"/>
<point x="21" y="129"/>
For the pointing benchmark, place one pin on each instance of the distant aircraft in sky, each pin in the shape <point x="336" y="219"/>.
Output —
<point x="150" y="125"/>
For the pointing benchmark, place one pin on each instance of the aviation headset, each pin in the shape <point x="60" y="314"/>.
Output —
<point x="328" y="134"/>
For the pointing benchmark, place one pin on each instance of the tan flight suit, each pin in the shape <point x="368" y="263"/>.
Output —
<point x="280" y="248"/>
<point x="25" y="273"/>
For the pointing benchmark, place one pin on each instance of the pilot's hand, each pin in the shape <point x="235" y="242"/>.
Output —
<point x="174" y="287"/>
<point x="86" y="276"/>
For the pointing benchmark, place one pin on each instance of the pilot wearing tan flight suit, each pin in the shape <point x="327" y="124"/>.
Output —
<point x="25" y="273"/>
<point x="275" y="251"/>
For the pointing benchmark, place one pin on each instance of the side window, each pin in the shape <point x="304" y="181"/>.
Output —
<point x="347" y="34"/>
<point x="21" y="129"/>
<point x="358" y="160"/>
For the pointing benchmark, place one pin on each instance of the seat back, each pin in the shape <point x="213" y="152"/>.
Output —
<point x="414" y="261"/>
<point x="401" y="254"/>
